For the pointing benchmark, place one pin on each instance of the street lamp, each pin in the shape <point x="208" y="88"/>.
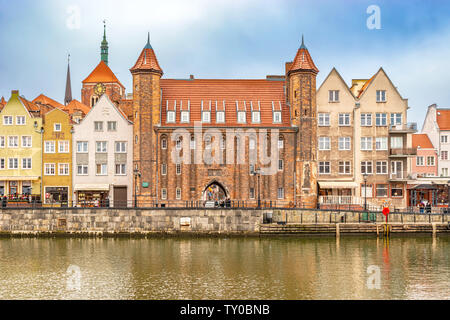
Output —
<point x="136" y="175"/>
<point x="41" y="132"/>
<point x="258" y="173"/>
<point x="365" y="191"/>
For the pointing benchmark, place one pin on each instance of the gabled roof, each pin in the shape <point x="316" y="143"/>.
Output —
<point x="112" y="104"/>
<point x="364" y="87"/>
<point x="75" y="105"/>
<point x="30" y="106"/>
<point x="147" y="60"/>
<point x="421" y="140"/>
<point x="101" y="73"/>
<point x="334" y="70"/>
<point x="2" y="103"/>
<point x="43" y="99"/>
<point x="303" y="60"/>
<point x="371" y="80"/>
<point x="443" y="119"/>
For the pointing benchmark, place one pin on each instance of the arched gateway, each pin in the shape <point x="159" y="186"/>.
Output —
<point x="214" y="191"/>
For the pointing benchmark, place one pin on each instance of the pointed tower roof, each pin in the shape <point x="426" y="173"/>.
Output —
<point x="102" y="73"/>
<point x="147" y="60"/>
<point x="303" y="60"/>
<point x="68" y="96"/>
<point x="104" y="45"/>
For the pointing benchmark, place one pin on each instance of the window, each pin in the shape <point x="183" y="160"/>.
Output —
<point x="324" y="143"/>
<point x="430" y="161"/>
<point x="112" y="125"/>
<point x="444" y="155"/>
<point x="82" y="169"/>
<point x="397" y="190"/>
<point x="82" y="146"/>
<point x="164" y="143"/>
<point x="220" y="116"/>
<point x="101" y="169"/>
<point x="444" y="172"/>
<point x="280" y="143"/>
<point x="344" y="143"/>
<point x="170" y="116"/>
<point x="63" y="146"/>
<point x="381" y="167"/>
<point x="163" y="169"/>
<point x="381" y="190"/>
<point x="26" y="163"/>
<point x="381" y="143"/>
<point x="333" y="95"/>
<point x="7" y="120"/>
<point x="49" y="146"/>
<point x="101" y="146"/>
<point x="252" y="143"/>
<point x="241" y="117"/>
<point x="344" y="119"/>
<point x="324" y="167"/>
<point x="26" y="142"/>
<point x="324" y="119"/>
<point x="121" y="169"/>
<point x="396" y="142"/>
<point x="178" y="193"/>
<point x="381" y="95"/>
<point x="63" y="169"/>
<point x="136" y="139"/>
<point x="280" y="193"/>
<point x="206" y="116"/>
<point x="366" y="143"/>
<point x="444" y="139"/>
<point x="98" y="125"/>
<point x="256" y="117"/>
<point x="20" y="120"/>
<point x="396" y="118"/>
<point x="2" y="163"/>
<point x="277" y="117"/>
<point x="280" y="165"/>
<point x="13" y="163"/>
<point x="366" y="191"/>
<point x="121" y="147"/>
<point x="178" y="168"/>
<point x="13" y="141"/>
<point x="419" y="161"/>
<point x="251" y="193"/>
<point x="178" y="144"/>
<point x="163" y="193"/>
<point x="57" y="127"/>
<point x="49" y="169"/>
<point x="366" y="167"/>
<point x="251" y="169"/>
<point x="381" y="119"/>
<point x="192" y="143"/>
<point x="184" y="116"/>
<point x="223" y="143"/>
<point x="344" y="167"/>
<point x="2" y="141"/>
<point x="366" y="119"/>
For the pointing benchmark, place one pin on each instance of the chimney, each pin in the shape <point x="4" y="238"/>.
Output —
<point x="14" y="92"/>
<point x="191" y="77"/>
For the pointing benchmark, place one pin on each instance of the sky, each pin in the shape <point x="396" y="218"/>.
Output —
<point x="228" y="39"/>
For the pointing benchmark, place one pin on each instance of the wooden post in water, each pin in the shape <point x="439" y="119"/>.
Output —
<point x="338" y="231"/>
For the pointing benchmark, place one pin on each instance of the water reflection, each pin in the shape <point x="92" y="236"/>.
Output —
<point x="282" y="268"/>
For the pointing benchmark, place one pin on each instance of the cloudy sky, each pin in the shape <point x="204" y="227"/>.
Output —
<point x="227" y="39"/>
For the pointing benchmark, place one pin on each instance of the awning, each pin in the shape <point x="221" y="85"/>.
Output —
<point x="91" y="187"/>
<point x="337" y="184"/>
<point x="21" y="178"/>
<point x="425" y="186"/>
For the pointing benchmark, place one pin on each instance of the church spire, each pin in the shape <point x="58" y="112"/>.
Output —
<point x="68" y="96"/>
<point x="104" y="45"/>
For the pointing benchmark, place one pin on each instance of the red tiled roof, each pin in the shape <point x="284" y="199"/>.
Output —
<point x="303" y="61"/>
<point x="421" y="140"/>
<point x="75" y="105"/>
<point x="29" y="105"/>
<point x="2" y="103"/>
<point x="443" y="119"/>
<point x="147" y="61"/>
<point x="102" y="73"/>
<point x="43" y="99"/>
<point x="195" y="91"/>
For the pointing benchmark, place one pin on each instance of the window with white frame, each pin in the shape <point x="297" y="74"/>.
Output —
<point x="324" y="119"/>
<point x="381" y="143"/>
<point x="82" y="169"/>
<point x="220" y="116"/>
<point x="344" y="143"/>
<point x="63" y="146"/>
<point x="444" y="172"/>
<point x="280" y="193"/>
<point x="178" y="143"/>
<point x="444" y="155"/>
<point x="366" y="167"/>
<point x="280" y="165"/>
<point x="121" y="169"/>
<point x="381" y="190"/>
<point x="178" y="193"/>
<point x="170" y="116"/>
<point x="206" y="116"/>
<point x="121" y="147"/>
<point x="277" y="117"/>
<point x="20" y="120"/>
<point x="381" y="119"/>
<point x="192" y="143"/>
<point x="164" y="193"/>
<point x="101" y="169"/>
<point x="49" y="169"/>
<point x="57" y="127"/>
<point x="2" y="141"/>
<point x="26" y="142"/>
<point x="178" y="168"/>
<point x="324" y="167"/>
<point x="13" y="163"/>
<point x="241" y="117"/>
<point x="101" y="146"/>
<point x="252" y="143"/>
<point x="366" y="190"/>
<point x="381" y="167"/>
<point x="112" y="125"/>
<point x="366" y="119"/>
<point x="163" y="143"/>
<point x="2" y="163"/>
<point x="163" y="169"/>
<point x="63" y="169"/>
<point x="396" y="118"/>
<point x="344" y="119"/>
<point x="324" y="143"/>
<point x="381" y="95"/>
<point x="396" y="142"/>
<point x="256" y="117"/>
<point x="49" y="146"/>
<point x="7" y="120"/>
<point x="430" y="161"/>
<point x="184" y="116"/>
<point x="444" y="138"/>
<point x="419" y="161"/>
<point x="366" y="143"/>
<point x="13" y="141"/>
<point x="98" y="126"/>
<point x="333" y="95"/>
<point x="82" y="146"/>
<point x="280" y="143"/>
<point x="26" y="163"/>
<point x="344" y="167"/>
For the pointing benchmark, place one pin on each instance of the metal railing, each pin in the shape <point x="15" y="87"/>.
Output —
<point x="348" y="202"/>
<point x="403" y="151"/>
<point x="404" y="127"/>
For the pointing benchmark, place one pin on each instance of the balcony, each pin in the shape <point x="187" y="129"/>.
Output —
<point x="402" y="152"/>
<point x="399" y="176"/>
<point x="403" y="128"/>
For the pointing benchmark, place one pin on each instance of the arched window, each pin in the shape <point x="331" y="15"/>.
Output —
<point x="163" y="143"/>
<point x="280" y="142"/>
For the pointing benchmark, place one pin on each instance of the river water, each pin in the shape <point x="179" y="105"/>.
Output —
<point x="235" y="268"/>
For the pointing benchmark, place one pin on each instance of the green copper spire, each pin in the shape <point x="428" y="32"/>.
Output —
<point x="104" y="46"/>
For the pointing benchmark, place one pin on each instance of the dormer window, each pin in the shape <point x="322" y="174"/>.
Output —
<point x="206" y="116"/>
<point x="184" y="116"/>
<point x="220" y="116"/>
<point x="277" y="117"/>
<point x="256" y="117"/>
<point x="381" y="95"/>
<point x="333" y="95"/>
<point x="241" y="117"/>
<point x="171" y="116"/>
